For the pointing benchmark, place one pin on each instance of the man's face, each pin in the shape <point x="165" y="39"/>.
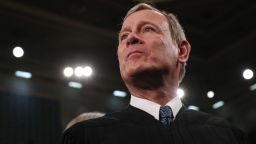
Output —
<point x="145" y="44"/>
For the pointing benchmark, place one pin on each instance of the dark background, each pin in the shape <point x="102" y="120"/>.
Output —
<point x="59" y="33"/>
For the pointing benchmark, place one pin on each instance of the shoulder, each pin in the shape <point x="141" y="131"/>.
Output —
<point x="201" y="122"/>
<point x="192" y="117"/>
<point x="108" y="123"/>
<point x="108" y="119"/>
<point x="89" y="129"/>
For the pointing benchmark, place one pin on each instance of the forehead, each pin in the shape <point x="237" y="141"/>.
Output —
<point x="145" y="16"/>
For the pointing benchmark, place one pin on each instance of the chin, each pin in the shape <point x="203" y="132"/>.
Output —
<point x="130" y="72"/>
<point x="140" y="69"/>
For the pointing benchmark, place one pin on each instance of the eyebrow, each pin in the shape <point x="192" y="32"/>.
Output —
<point x="141" y="23"/>
<point x="147" y="22"/>
<point x="124" y="30"/>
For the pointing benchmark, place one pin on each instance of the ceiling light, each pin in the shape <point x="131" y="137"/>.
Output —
<point x="193" y="107"/>
<point x="218" y="104"/>
<point x="23" y="74"/>
<point x="119" y="93"/>
<point x="75" y="84"/>
<point x="253" y="87"/>
<point x="78" y="71"/>
<point x="68" y="72"/>
<point x="180" y="93"/>
<point x="248" y="74"/>
<point x="210" y="94"/>
<point x="87" y="71"/>
<point x="18" y="52"/>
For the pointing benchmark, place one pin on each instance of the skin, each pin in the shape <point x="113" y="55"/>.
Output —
<point x="149" y="59"/>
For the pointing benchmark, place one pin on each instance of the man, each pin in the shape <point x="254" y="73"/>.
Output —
<point x="152" y="54"/>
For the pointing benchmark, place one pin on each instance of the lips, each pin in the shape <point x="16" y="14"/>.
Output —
<point x="133" y="53"/>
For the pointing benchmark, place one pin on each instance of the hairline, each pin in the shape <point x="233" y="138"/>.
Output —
<point x="143" y="21"/>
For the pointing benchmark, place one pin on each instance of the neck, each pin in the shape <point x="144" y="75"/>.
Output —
<point x="154" y="86"/>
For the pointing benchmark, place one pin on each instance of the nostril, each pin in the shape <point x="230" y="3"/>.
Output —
<point x="133" y="41"/>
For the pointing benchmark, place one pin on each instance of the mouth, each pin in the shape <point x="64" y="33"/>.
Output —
<point x="134" y="53"/>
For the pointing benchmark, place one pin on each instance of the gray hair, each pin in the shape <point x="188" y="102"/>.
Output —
<point x="83" y="117"/>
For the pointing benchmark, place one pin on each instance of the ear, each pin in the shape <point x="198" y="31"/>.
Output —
<point x="184" y="50"/>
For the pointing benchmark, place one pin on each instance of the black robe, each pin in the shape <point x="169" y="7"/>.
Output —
<point x="134" y="126"/>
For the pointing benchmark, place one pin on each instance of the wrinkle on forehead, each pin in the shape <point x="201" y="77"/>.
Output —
<point x="152" y="16"/>
<point x="157" y="12"/>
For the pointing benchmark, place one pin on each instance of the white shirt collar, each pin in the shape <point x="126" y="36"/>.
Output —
<point x="153" y="108"/>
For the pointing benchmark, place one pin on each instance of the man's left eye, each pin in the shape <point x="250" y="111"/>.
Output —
<point x="148" y="29"/>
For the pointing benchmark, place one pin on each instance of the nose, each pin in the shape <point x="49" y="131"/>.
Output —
<point x="133" y="39"/>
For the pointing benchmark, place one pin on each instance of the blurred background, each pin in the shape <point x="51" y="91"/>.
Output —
<point x="58" y="59"/>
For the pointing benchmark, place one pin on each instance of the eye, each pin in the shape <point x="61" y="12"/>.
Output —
<point x="148" y="29"/>
<point x="123" y="36"/>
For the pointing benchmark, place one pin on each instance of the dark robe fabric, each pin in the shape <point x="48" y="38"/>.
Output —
<point x="134" y="126"/>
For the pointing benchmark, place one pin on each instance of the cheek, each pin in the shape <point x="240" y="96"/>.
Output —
<point x="170" y="47"/>
<point x="155" y="44"/>
<point x="121" y="57"/>
<point x="166" y="51"/>
<point x="119" y="53"/>
<point x="160" y="46"/>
